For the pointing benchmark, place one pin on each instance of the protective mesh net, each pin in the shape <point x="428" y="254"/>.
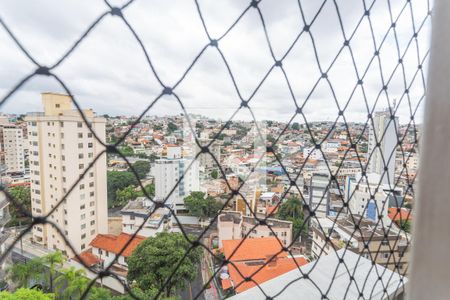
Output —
<point x="403" y="73"/>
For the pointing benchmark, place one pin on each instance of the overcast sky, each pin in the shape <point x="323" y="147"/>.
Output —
<point x="109" y="73"/>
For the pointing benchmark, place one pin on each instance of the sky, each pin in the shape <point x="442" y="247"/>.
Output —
<point x="108" y="70"/>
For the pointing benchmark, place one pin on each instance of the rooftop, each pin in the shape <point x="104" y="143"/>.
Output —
<point x="115" y="243"/>
<point x="252" y="249"/>
<point x="366" y="280"/>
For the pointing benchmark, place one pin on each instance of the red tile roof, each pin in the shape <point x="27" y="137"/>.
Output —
<point x="403" y="215"/>
<point x="88" y="258"/>
<point x="252" y="249"/>
<point x="275" y="268"/>
<point x="115" y="243"/>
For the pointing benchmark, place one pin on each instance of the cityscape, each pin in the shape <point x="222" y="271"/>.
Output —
<point x="211" y="150"/>
<point x="265" y="199"/>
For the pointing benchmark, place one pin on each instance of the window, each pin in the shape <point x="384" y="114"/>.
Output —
<point x="83" y="226"/>
<point x="92" y="203"/>
<point x="80" y="135"/>
<point x="83" y="206"/>
<point x="91" y="184"/>
<point x="132" y="217"/>
<point x="80" y="166"/>
<point x="91" y="194"/>
<point x="83" y="236"/>
<point x="93" y="213"/>
<point x="81" y="186"/>
<point x="92" y="231"/>
<point x="79" y="124"/>
<point x="80" y="145"/>
<point x="385" y="255"/>
<point x="83" y="246"/>
<point x="90" y="155"/>
<point x="92" y="222"/>
<point x="90" y="134"/>
<point x="90" y="145"/>
<point x="80" y="155"/>
<point x="91" y="174"/>
<point x="83" y="216"/>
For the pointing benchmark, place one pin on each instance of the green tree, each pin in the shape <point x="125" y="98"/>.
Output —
<point x="97" y="293"/>
<point x="171" y="127"/>
<point x="150" y="189"/>
<point x="26" y="294"/>
<point x="202" y="206"/>
<point x="292" y="210"/>
<point x="22" y="195"/>
<point x="154" y="260"/>
<point x="406" y="225"/>
<point x="214" y="174"/>
<point x="52" y="260"/>
<point x="126" y="151"/>
<point x="22" y="273"/>
<point x="72" y="282"/>
<point x="142" y="167"/>
<point x="117" y="180"/>
<point x="126" y="194"/>
<point x="295" y="126"/>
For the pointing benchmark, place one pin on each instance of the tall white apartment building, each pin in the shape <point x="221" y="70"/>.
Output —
<point x="384" y="130"/>
<point x="12" y="153"/>
<point x="168" y="171"/>
<point x="319" y="194"/>
<point x="61" y="148"/>
<point x="368" y="198"/>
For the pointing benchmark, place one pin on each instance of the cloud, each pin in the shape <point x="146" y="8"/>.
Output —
<point x="108" y="71"/>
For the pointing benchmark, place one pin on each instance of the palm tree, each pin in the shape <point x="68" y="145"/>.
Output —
<point x="52" y="260"/>
<point x="22" y="273"/>
<point x="72" y="282"/>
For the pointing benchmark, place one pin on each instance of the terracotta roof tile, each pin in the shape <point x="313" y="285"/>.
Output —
<point x="403" y="215"/>
<point x="88" y="258"/>
<point x="252" y="249"/>
<point x="269" y="271"/>
<point x="114" y="244"/>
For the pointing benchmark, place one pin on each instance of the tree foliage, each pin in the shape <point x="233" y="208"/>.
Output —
<point x="156" y="258"/>
<point x="214" y="174"/>
<point x="292" y="210"/>
<point x="142" y="167"/>
<point x="72" y="283"/>
<point x="23" y="273"/>
<point x="171" y="127"/>
<point x="26" y="294"/>
<point x="23" y="196"/>
<point x="126" y="194"/>
<point x="53" y="260"/>
<point x="202" y="206"/>
<point x="126" y="151"/>
<point x="117" y="180"/>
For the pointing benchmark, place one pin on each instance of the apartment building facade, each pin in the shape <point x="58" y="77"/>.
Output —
<point x="12" y="153"/>
<point x="174" y="171"/>
<point x="61" y="149"/>
<point x="381" y="146"/>
<point x="234" y="226"/>
<point x="386" y="246"/>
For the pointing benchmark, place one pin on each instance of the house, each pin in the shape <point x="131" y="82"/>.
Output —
<point x="233" y="225"/>
<point x="356" y="275"/>
<point x="135" y="213"/>
<point x="260" y="258"/>
<point x="106" y="246"/>
<point x="390" y="251"/>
